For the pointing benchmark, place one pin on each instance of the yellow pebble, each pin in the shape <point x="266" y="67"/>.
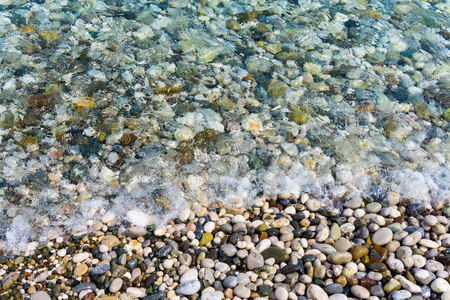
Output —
<point x="80" y="270"/>
<point x="49" y="35"/>
<point x="171" y="294"/>
<point x="31" y="290"/>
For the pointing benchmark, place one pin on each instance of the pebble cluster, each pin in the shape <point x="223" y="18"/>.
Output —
<point x="280" y="249"/>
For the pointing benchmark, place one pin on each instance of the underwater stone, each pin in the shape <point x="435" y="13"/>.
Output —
<point x="277" y="89"/>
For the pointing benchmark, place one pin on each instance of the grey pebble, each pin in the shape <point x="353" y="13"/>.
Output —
<point x="230" y="282"/>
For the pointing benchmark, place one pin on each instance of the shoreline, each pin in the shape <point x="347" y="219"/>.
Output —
<point x="278" y="249"/>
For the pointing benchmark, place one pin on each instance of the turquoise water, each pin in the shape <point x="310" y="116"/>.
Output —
<point x="148" y="107"/>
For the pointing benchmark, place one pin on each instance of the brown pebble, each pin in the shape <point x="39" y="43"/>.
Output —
<point x="358" y="251"/>
<point x="367" y="282"/>
<point x="263" y="236"/>
<point x="377" y="254"/>
<point x="89" y="296"/>
<point x="352" y="280"/>
<point x="272" y="202"/>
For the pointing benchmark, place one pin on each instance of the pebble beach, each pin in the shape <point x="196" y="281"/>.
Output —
<point x="222" y="149"/>
<point x="278" y="249"/>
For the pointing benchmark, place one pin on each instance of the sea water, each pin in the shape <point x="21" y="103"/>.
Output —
<point x="132" y="111"/>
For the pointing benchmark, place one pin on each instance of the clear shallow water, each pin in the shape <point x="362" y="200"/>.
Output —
<point x="150" y="107"/>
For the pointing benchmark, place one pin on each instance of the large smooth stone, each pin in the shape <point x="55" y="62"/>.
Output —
<point x="440" y="285"/>
<point x="316" y="292"/>
<point x="190" y="287"/>
<point x="382" y="236"/>
<point x="255" y="260"/>
<point x="360" y="292"/>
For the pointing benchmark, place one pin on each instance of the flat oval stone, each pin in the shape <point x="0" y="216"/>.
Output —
<point x="342" y="244"/>
<point x="360" y="292"/>
<point x="429" y="243"/>
<point x="100" y="270"/>
<point x="382" y="236"/>
<point x="226" y="228"/>
<point x="80" y="270"/>
<point x="188" y="287"/>
<point x="373" y="207"/>
<point x="277" y="253"/>
<point x="340" y="258"/>
<point x="230" y="282"/>
<point x="334" y="288"/>
<point x="84" y="286"/>
<point x="115" y="285"/>
<point x="263" y="245"/>
<point x="80" y="257"/>
<point x="322" y="234"/>
<point x="324" y="248"/>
